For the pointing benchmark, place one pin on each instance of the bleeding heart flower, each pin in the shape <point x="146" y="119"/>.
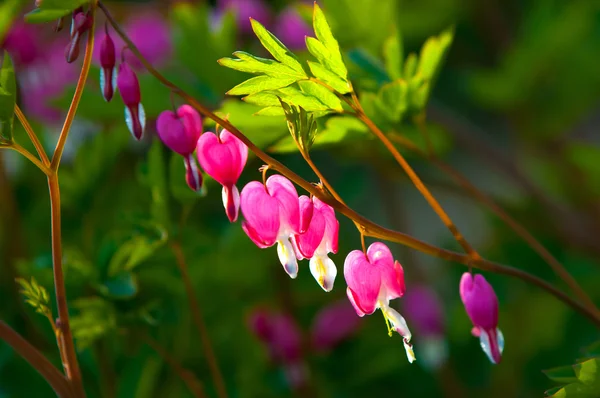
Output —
<point x="319" y="237"/>
<point x="223" y="157"/>
<point x="333" y="324"/>
<point x="129" y="87"/>
<point x="81" y="23"/>
<point x="108" y="70"/>
<point x="272" y="215"/>
<point x="291" y="29"/>
<point x="481" y="304"/>
<point x="180" y="132"/>
<point x="373" y="280"/>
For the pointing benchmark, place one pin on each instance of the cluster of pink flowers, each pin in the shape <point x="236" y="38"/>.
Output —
<point x="307" y="228"/>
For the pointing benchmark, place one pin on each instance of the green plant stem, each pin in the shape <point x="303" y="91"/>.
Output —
<point x="65" y="339"/>
<point x="188" y="377"/>
<point x="521" y="231"/>
<point x="366" y="226"/>
<point x="34" y="139"/>
<point x="37" y="360"/>
<point x="31" y="157"/>
<point x="211" y="358"/>
<point x="85" y="70"/>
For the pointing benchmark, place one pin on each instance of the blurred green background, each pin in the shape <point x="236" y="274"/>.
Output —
<point x="515" y="107"/>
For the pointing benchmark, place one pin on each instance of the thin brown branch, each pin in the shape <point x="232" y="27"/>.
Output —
<point x="366" y="226"/>
<point x="30" y="156"/>
<point x="34" y="139"/>
<point x="480" y="196"/>
<point x="37" y="360"/>
<point x="85" y="70"/>
<point x="211" y="358"/>
<point x="187" y="376"/>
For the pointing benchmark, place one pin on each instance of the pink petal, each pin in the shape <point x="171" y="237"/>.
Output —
<point x="193" y="176"/>
<point x="480" y="301"/>
<point x="261" y="212"/>
<point x="363" y="280"/>
<point x="306" y="212"/>
<point x="193" y="124"/>
<point x="332" y="225"/>
<point x="284" y="191"/>
<point x="492" y="343"/>
<point x="172" y="133"/>
<point x="392" y="275"/>
<point x="223" y="160"/>
<point x="309" y="241"/>
<point x="231" y="202"/>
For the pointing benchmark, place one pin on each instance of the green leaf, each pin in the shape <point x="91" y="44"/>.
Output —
<point x="261" y="83"/>
<point x="157" y="181"/>
<point x="9" y="9"/>
<point x="271" y="111"/>
<point x="277" y="49"/>
<point x="393" y="99"/>
<point x="7" y="99"/>
<point x="263" y="99"/>
<point x="35" y="295"/>
<point x="95" y="318"/>
<point x="140" y="246"/>
<point x="410" y="66"/>
<point x="323" y="33"/>
<point x="561" y="374"/>
<point x="50" y="10"/>
<point x="121" y="286"/>
<point x="393" y="55"/>
<point x="252" y="64"/>
<point x="299" y="98"/>
<point x="333" y="80"/>
<point x="337" y="130"/>
<point x="322" y="94"/>
<point x="433" y="52"/>
<point x="588" y="372"/>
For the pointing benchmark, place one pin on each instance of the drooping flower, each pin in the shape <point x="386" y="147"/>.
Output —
<point x="151" y="34"/>
<point x="481" y="305"/>
<point x="223" y="157"/>
<point x="129" y="87"/>
<point x="81" y="22"/>
<point x="272" y="215"/>
<point x="373" y="280"/>
<point x="180" y="132"/>
<point x="291" y="29"/>
<point x="332" y="325"/>
<point x="22" y="42"/>
<point x="422" y="305"/>
<point x="317" y="239"/>
<point x="108" y="70"/>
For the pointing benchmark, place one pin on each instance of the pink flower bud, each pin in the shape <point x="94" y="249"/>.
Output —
<point x="272" y="216"/>
<point x="223" y="158"/>
<point x="81" y="23"/>
<point x="108" y="70"/>
<point x="373" y="280"/>
<point x="129" y="87"/>
<point x="481" y="305"/>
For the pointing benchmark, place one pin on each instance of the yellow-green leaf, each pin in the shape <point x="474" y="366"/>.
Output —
<point x="260" y="83"/>
<point x="333" y="80"/>
<point x="393" y="99"/>
<point x="393" y="55"/>
<point x="252" y="64"/>
<point x="277" y="49"/>
<point x="322" y="93"/>
<point x="323" y="33"/>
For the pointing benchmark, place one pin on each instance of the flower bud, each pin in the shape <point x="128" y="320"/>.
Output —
<point x="129" y="87"/>
<point x="108" y="70"/>
<point x="80" y="23"/>
<point x="180" y="131"/>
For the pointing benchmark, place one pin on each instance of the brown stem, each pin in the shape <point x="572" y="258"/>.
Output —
<point x="85" y="70"/>
<point x="37" y="360"/>
<point x="34" y="139"/>
<point x="188" y="377"/>
<point x="31" y="157"/>
<point x="199" y="321"/>
<point x="65" y="336"/>
<point x="366" y="226"/>
<point x="418" y="184"/>
<point x="558" y="268"/>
